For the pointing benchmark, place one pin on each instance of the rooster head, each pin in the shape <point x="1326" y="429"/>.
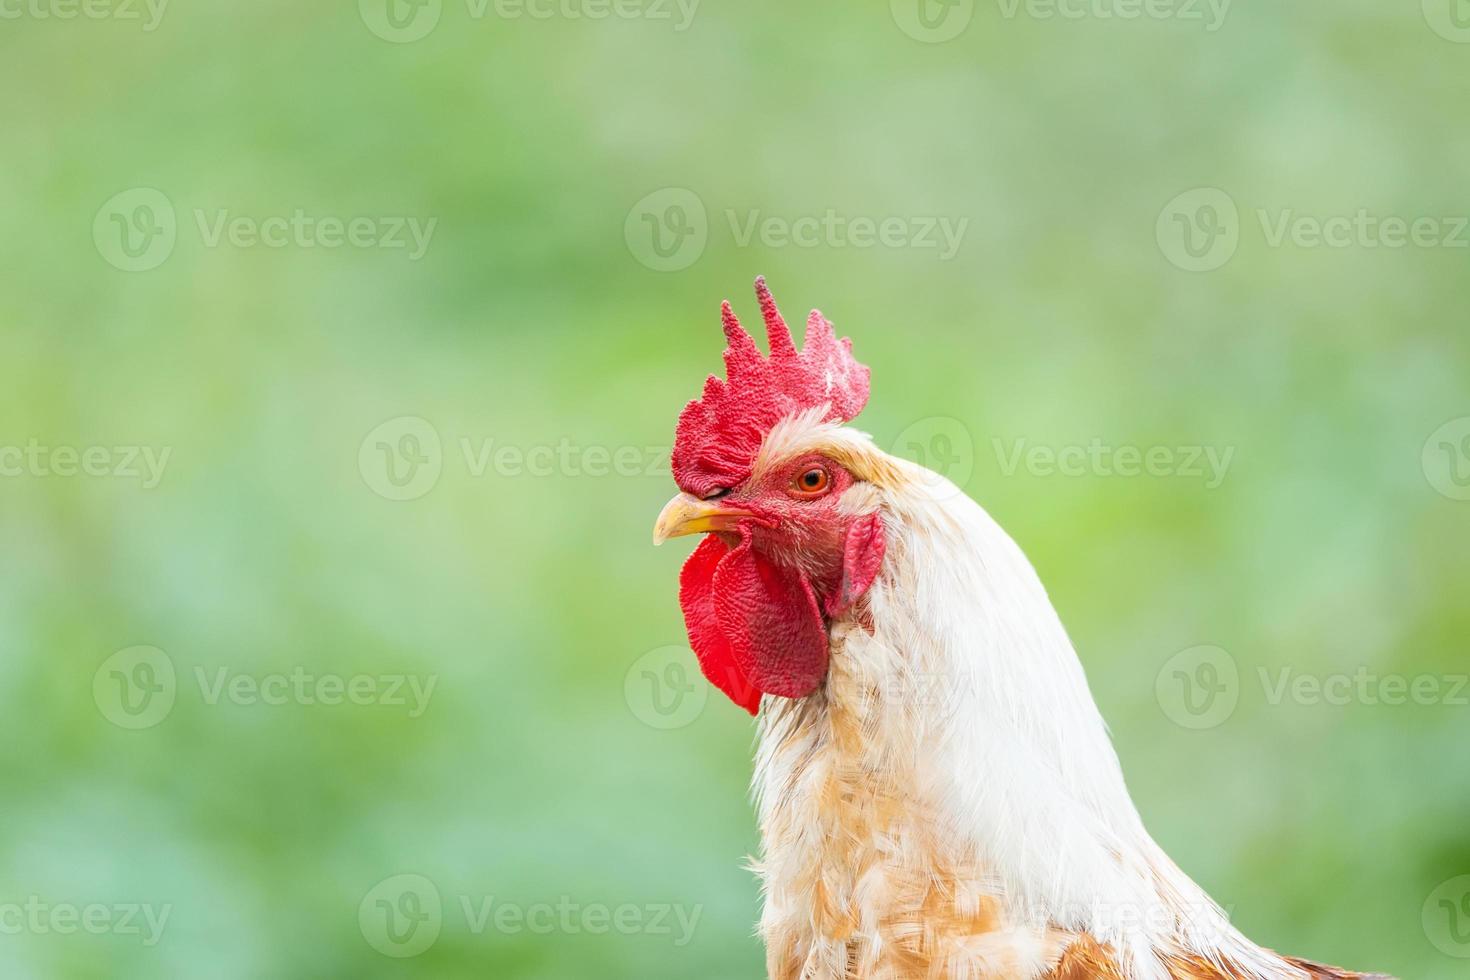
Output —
<point x="788" y="546"/>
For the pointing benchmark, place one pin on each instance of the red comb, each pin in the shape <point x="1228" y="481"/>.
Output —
<point x="720" y="433"/>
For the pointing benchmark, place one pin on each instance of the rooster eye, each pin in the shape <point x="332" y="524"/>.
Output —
<point x="812" y="481"/>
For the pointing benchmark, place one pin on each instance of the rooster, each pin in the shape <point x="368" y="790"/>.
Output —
<point x="936" y="789"/>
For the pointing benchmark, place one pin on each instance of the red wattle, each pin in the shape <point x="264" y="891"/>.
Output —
<point x="755" y="626"/>
<point x="706" y="636"/>
<point x="772" y="621"/>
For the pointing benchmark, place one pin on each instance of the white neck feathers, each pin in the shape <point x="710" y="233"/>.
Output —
<point x="976" y="687"/>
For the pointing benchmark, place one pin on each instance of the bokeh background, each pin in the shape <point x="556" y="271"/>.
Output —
<point x="440" y="464"/>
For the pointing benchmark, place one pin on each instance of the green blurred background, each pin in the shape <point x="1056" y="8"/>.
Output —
<point x="590" y="181"/>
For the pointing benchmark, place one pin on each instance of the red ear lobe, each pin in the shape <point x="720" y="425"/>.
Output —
<point x="706" y="636"/>
<point x="862" y="556"/>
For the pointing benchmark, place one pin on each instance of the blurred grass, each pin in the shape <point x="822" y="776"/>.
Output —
<point x="529" y="321"/>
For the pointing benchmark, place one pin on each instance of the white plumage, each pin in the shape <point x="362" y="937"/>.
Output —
<point x="950" y="799"/>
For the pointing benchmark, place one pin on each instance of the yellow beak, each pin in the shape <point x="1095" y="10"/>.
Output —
<point x="687" y="514"/>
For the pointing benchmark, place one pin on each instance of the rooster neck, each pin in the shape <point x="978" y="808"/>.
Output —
<point x="860" y="879"/>
<point x="951" y="793"/>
